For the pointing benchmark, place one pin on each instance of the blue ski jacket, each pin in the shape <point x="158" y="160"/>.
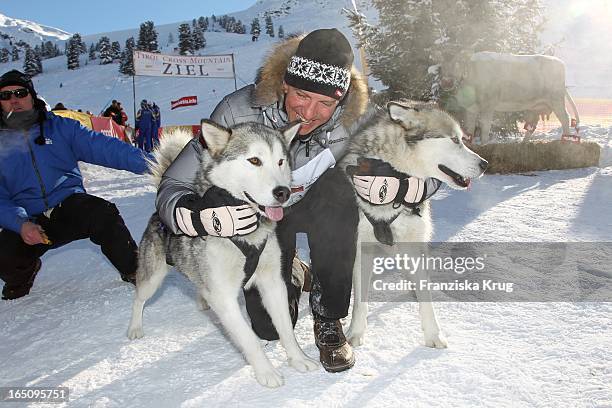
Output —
<point x="37" y="175"/>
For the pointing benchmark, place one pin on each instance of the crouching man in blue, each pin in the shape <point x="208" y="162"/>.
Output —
<point x="43" y="204"/>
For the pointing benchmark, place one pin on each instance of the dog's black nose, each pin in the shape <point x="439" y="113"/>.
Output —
<point x="281" y="194"/>
<point x="483" y="164"/>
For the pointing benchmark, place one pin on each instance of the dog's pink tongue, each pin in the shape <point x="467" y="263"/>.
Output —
<point x="469" y="184"/>
<point x="274" y="213"/>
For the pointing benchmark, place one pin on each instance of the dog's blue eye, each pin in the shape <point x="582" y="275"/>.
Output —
<point x="255" y="161"/>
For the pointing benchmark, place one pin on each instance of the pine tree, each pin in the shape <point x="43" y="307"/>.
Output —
<point x="185" y="40"/>
<point x="281" y="32"/>
<point x="230" y="25"/>
<point x="30" y="65"/>
<point x="223" y="21"/>
<point x="52" y="50"/>
<point x="115" y="50"/>
<point x="203" y="23"/>
<point x="198" y="40"/>
<point x="92" y="52"/>
<point x="143" y="40"/>
<point x="525" y="38"/>
<point x="47" y="50"/>
<point x="4" y="55"/>
<point x="240" y="28"/>
<point x="72" y="52"/>
<point x="269" y="26"/>
<point x="147" y="37"/>
<point x="170" y="39"/>
<point x="153" y="46"/>
<point x="38" y="61"/>
<point x="79" y="45"/>
<point x="15" y="54"/>
<point x="106" y="56"/>
<point x="437" y="40"/>
<point x="255" y="27"/>
<point x="127" y="59"/>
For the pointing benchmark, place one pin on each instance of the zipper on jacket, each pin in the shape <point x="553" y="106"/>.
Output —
<point x="40" y="180"/>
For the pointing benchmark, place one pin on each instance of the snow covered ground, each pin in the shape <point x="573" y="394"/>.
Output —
<point x="71" y="330"/>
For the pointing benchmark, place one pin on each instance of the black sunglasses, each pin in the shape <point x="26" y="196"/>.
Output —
<point x="19" y="93"/>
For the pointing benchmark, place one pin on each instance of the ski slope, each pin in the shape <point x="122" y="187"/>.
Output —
<point x="71" y="330"/>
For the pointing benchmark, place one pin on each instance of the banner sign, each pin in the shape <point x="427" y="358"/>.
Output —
<point x="183" y="66"/>
<point x="184" y="101"/>
<point x="108" y="127"/>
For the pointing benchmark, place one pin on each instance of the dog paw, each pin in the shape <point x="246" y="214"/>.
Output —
<point x="135" y="333"/>
<point x="304" y="364"/>
<point x="436" y="341"/>
<point x="354" y="337"/>
<point x="269" y="378"/>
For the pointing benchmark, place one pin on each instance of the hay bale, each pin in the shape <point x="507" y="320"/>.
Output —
<point x="506" y="158"/>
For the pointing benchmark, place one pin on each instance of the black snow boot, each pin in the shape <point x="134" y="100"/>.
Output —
<point x="10" y="292"/>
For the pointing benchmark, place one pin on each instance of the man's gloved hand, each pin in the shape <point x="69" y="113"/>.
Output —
<point x="375" y="181"/>
<point x="378" y="183"/>
<point x="216" y="213"/>
<point x="376" y="189"/>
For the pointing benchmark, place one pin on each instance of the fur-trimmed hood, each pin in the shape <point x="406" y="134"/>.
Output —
<point x="269" y="81"/>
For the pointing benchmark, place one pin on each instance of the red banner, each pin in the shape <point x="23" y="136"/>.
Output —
<point x="184" y="101"/>
<point x="108" y="127"/>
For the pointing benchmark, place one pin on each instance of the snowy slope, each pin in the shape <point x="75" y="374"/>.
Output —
<point x="71" y="330"/>
<point x="92" y="86"/>
<point x="28" y="31"/>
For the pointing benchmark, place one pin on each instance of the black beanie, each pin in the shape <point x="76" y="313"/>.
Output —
<point x="15" y="77"/>
<point x="322" y="64"/>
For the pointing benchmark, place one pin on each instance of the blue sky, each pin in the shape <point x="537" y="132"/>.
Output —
<point x="84" y="17"/>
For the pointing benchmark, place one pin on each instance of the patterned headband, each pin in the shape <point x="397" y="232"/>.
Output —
<point x="317" y="72"/>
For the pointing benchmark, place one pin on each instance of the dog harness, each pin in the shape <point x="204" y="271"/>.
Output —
<point x="252" y="254"/>
<point x="412" y="192"/>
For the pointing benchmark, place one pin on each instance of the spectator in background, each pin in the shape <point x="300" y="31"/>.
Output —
<point x="59" y="106"/>
<point x="124" y="116"/>
<point x="43" y="203"/>
<point x="113" y="112"/>
<point x="156" y="123"/>
<point x="144" y="126"/>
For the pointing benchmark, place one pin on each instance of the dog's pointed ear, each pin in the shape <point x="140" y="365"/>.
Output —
<point x="290" y="131"/>
<point x="407" y="116"/>
<point x="216" y="136"/>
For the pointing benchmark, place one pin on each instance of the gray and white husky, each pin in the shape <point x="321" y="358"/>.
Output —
<point x="250" y="161"/>
<point x="419" y="141"/>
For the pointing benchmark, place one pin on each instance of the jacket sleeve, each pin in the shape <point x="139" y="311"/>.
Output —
<point x="11" y="216"/>
<point x="96" y="148"/>
<point x="223" y="114"/>
<point x="178" y="181"/>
